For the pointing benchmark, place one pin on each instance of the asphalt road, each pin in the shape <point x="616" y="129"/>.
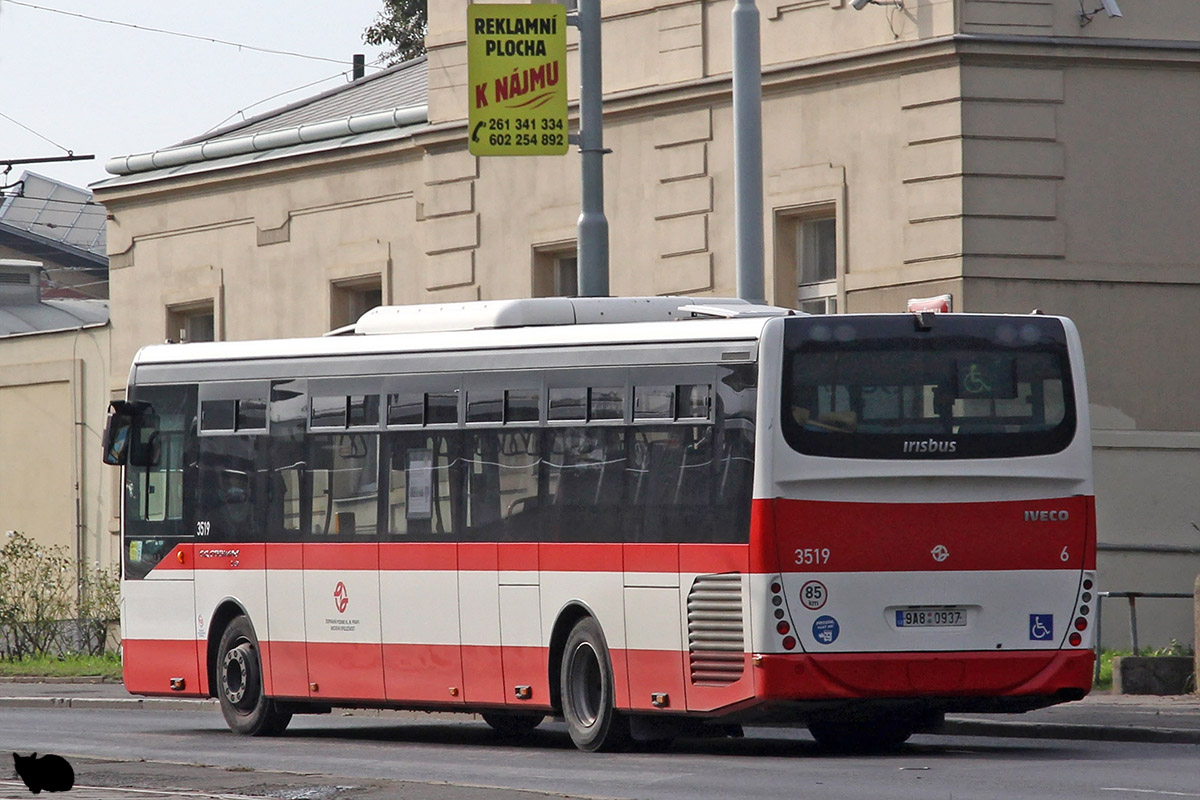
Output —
<point x="367" y="755"/>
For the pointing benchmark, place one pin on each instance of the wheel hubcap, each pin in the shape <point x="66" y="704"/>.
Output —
<point x="586" y="688"/>
<point x="234" y="673"/>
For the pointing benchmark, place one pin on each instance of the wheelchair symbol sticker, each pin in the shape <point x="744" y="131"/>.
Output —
<point x="1041" y="627"/>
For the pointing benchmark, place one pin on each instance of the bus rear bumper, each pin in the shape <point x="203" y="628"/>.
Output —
<point x="1010" y="681"/>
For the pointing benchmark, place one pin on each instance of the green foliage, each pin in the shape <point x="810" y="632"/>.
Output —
<point x="1106" y="668"/>
<point x="35" y="596"/>
<point x="99" y="606"/>
<point x="402" y="24"/>
<point x="1173" y="649"/>
<point x="46" y="608"/>
<point x="104" y="666"/>
<point x="1106" y="659"/>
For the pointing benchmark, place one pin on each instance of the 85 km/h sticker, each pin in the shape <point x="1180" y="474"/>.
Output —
<point x="813" y="595"/>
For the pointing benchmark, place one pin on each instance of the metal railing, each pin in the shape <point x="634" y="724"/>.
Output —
<point x="1133" y="598"/>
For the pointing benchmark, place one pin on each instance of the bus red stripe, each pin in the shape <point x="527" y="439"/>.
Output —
<point x="481" y="675"/>
<point x="580" y="557"/>
<point x="148" y="665"/>
<point x="466" y="556"/>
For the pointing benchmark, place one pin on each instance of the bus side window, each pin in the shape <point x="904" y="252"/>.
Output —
<point x="161" y="449"/>
<point x="520" y="470"/>
<point x="344" y="471"/>
<point x="481" y="461"/>
<point x="737" y="395"/>
<point x="420" y="484"/>
<point x="227" y="495"/>
<point x="283" y="463"/>
<point x="156" y="459"/>
<point x="673" y="468"/>
<point x="586" y="484"/>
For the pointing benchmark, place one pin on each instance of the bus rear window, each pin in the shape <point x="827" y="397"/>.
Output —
<point x="965" y="387"/>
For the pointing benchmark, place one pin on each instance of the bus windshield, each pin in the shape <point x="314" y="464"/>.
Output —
<point x="894" y="387"/>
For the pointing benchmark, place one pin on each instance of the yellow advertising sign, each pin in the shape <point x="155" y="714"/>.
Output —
<point x="517" y="79"/>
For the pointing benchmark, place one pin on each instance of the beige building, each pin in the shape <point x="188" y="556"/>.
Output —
<point x="55" y="369"/>
<point x="1015" y="154"/>
<point x="54" y="378"/>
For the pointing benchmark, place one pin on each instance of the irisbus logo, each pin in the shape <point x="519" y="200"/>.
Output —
<point x="930" y="446"/>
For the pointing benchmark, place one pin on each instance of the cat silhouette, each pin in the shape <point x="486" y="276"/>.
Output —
<point x="49" y="773"/>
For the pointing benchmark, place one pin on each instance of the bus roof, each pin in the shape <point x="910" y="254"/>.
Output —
<point x="538" y="322"/>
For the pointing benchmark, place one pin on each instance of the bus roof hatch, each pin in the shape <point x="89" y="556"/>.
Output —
<point x="540" y="311"/>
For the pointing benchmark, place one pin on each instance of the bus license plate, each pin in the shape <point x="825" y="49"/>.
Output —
<point x="949" y="617"/>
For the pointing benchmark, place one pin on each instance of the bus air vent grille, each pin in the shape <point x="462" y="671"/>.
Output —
<point x="715" y="637"/>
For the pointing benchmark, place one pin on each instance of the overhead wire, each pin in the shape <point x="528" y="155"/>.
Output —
<point x="56" y="226"/>
<point x="31" y="130"/>
<point x="211" y="39"/>
<point x="20" y="196"/>
<point x="242" y="112"/>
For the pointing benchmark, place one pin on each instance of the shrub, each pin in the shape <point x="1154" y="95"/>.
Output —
<point x="45" y="609"/>
<point x="99" y="605"/>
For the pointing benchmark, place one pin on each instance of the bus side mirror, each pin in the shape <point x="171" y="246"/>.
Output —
<point x="131" y="435"/>
<point x="118" y="434"/>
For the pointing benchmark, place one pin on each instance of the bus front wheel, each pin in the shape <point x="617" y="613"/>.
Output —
<point x="244" y="704"/>
<point x="587" y="691"/>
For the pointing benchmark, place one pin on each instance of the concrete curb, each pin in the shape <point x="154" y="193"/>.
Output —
<point x="1058" y="730"/>
<point x="109" y="703"/>
<point x="91" y="680"/>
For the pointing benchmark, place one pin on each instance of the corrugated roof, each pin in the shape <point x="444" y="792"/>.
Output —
<point x="57" y="213"/>
<point x="307" y="126"/>
<point x="402" y="86"/>
<point x="51" y="315"/>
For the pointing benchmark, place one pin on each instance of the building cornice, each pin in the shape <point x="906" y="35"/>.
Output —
<point x="153" y="174"/>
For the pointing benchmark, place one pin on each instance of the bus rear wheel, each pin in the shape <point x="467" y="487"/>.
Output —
<point x="588" y="703"/>
<point x="245" y="706"/>
<point x="861" y="736"/>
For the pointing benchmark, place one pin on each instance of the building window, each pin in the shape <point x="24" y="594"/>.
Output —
<point x="349" y="300"/>
<point x="806" y="250"/>
<point x="195" y="322"/>
<point x="555" y="273"/>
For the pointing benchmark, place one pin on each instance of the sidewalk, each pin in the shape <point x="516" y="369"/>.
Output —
<point x="1097" y="717"/>
<point x="1100" y="717"/>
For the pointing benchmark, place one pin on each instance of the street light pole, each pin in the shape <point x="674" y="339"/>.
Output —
<point x="593" y="225"/>
<point x="747" y="152"/>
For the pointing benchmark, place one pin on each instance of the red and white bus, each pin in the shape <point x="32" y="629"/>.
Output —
<point x="644" y="515"/>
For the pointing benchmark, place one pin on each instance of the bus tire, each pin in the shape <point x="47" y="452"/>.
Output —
<point x="588" y="702"/>
<point x="861" y="736"/>
<point x="512" y="726"/>
<point x="244" y="704"/>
